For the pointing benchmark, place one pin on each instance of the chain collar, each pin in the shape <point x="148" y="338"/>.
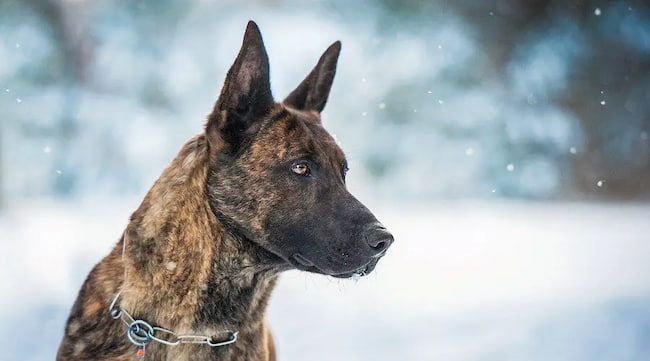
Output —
<point x="140" y="332"/>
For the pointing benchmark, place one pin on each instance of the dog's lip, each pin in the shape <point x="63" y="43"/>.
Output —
<point x="300" y="262"/>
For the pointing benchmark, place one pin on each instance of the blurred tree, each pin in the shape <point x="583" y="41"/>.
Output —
<point x="608" y="88"/>
<point x="68" y="23"/>
<point x="560" y="86"/>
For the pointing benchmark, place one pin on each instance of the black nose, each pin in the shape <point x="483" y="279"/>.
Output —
<point x="378" y="238"/>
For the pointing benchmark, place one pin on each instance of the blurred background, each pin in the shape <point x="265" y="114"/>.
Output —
<point x="505" y="143"/>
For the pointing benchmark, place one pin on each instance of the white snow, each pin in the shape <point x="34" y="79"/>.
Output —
<point x="463" y="281"/>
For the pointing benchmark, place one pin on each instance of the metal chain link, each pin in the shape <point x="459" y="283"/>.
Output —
<point x="140" y="333"/>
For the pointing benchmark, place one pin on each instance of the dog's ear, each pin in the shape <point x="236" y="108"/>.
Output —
<point x="245" y="98"/>
<point x="312" y="93"/>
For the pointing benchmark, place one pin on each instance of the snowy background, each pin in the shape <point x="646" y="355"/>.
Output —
<point x="505" y="143"/>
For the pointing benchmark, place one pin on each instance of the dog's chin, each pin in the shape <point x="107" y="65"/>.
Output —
<point x="301" y="263"/>
<point x="360" y="272"/>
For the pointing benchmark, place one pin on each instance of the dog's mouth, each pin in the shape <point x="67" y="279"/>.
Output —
<point x="300" y="262"/>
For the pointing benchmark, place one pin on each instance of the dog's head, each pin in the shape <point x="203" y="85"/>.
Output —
<point x="277" y="177"/>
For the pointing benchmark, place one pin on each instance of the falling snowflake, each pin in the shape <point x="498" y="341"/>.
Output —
<point x="469" y="151"/>
<point x="600" y="183"/>
<point x="510" y="167"/>
<point x="602" y="102"/>
<point x="440" y="101"/>
<point x="47" y="149"/>
<point x="363" y="114"/>
<point x="597" y="12"/>
<point x="18" y="100"/>
<point x="382" y="105"/>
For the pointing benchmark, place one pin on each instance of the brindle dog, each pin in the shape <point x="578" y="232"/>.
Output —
<point x="261" y="191"/>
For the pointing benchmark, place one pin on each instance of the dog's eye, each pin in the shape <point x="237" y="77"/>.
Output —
<point x="301" y="169"/>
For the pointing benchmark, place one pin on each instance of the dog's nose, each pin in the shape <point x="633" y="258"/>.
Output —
<point x="378" y="238"/>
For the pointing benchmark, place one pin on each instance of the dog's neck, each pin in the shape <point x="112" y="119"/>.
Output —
<point x="184" y="270"/>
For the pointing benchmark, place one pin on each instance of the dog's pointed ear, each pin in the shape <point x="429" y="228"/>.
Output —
<point x="245" y="98"/>
<point x="312" y="93"/>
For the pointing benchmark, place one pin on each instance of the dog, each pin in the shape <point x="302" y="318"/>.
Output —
<point x="261" y="191"/>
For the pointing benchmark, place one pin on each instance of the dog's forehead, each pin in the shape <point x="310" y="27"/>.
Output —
<point x="294" y="133"/>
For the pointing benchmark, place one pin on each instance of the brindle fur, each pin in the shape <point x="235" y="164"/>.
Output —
<point x="201" y="252"/>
